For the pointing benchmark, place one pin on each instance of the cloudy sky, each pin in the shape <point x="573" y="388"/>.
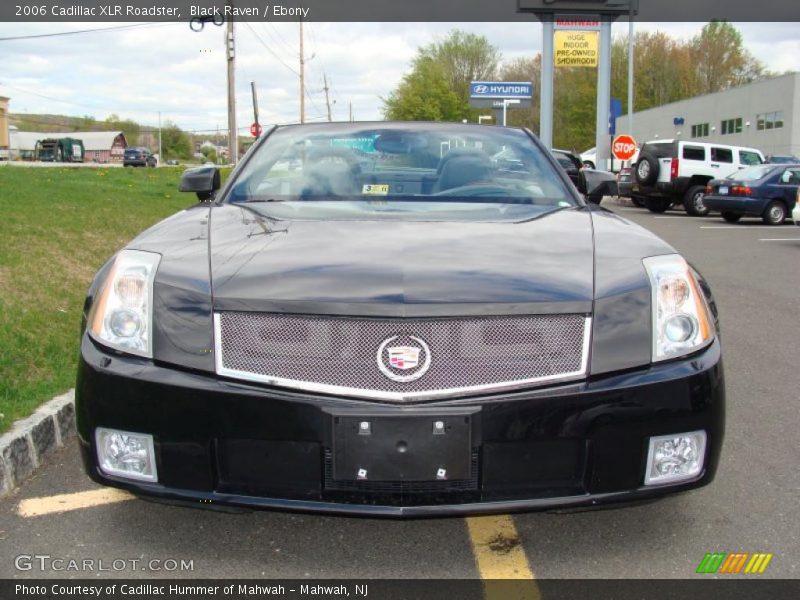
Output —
<point x="165" y="67"/>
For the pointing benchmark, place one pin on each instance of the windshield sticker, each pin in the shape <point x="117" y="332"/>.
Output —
<point x="373" y="189"/>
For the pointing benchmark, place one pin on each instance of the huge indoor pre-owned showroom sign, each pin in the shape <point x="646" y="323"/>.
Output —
<point x="575" y="48"/>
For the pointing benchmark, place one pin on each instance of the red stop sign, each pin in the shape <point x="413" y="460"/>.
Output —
<point x="623" y="147"/>
<point x="255" y="129"/>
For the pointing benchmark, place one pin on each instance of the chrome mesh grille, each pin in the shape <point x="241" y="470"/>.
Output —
<point x="466" y="354"/>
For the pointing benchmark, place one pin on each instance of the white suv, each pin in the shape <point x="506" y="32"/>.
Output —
<point x="677" y="171"/>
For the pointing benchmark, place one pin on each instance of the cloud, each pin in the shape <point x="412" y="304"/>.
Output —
<point x="137" y="73"/>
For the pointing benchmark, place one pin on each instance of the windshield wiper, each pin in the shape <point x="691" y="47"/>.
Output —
<point x="254" y="200"/>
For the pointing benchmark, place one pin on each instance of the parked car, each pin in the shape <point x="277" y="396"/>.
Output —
<point x="624" y="185"/>
<point x="138" y="157"/>
<point x="428" y="333"/>
<point x="173" y="162"/>
<point x="670" y="172"/>
<point x="589" y="159"/>
<point x="768" y="191"/>
<point x="783" y="159"/>
<point x="593" y="184"/>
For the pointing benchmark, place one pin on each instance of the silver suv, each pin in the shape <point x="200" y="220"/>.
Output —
<point x="669" y="172"/>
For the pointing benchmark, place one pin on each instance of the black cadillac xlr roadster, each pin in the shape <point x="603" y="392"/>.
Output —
<point x="388" y="319"/>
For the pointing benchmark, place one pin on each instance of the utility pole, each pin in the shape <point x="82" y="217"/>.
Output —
<point x="351" y="111"/>
<point x="255" y="105"/>
<point x="159" y="139"/>
<point x="327" y="100"/>
<point x="302" y="78"/>
<point x="630" y="71"/>
<point x="230" y="53"/>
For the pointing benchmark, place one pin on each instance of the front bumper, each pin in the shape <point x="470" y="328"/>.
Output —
<point x="740" y="205"/>
<point x="233" y="443"/>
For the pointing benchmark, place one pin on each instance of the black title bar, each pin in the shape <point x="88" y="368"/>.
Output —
<point x="389" y="10"/>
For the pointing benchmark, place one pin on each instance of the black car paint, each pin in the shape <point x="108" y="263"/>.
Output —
<point x="218" y="256"/>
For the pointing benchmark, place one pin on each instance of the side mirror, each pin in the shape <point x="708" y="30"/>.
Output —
<point x="581" y="184"/>
<point x="599" y="182"/>
<point x="203" y="181"/>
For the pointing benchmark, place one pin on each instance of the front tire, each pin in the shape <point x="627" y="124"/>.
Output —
<point x="657" y="205"/>
<point x="693" y="201"/>
<point x="775" y="213"/>
<point x="638" y="201"/>
<point x="731" y="217"/>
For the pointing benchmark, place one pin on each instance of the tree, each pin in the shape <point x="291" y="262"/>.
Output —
<point x="463" y="57"/>
<point x="721" y="60"/>
<point x="175" y="142"/>
<point x="130" y="128"/>
<point x="424" y="95"/>
<point x="524" y="69"/>
<point x="437" y="88"/>
<point x="210" y="153"/>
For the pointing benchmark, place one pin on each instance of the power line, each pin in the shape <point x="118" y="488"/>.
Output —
<point x="279" y="42"/>
<point x="278" y="58"/>
<point x="24" y="91"/>
<point x="280" y="37"/>
<point x="78" y="31"/>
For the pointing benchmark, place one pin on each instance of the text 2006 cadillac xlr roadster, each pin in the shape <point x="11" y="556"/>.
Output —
<point x="398" y="319"/>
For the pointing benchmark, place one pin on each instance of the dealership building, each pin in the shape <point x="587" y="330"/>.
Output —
<point x="763" y="115"/>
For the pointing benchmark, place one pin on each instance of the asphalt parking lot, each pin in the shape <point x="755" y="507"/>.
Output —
<point x="752" y="506"/>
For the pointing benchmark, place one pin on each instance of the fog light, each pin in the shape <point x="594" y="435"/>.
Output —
<point x="126" y="454"/>
<point x="675" y="457"/>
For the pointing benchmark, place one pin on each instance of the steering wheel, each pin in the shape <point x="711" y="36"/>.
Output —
<point x="475" y="189"/>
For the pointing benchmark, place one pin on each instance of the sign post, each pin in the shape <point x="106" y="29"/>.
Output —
<point x="578" y="15"/>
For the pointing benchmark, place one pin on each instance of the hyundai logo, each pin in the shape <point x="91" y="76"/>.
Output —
<point x="481" y="89"/>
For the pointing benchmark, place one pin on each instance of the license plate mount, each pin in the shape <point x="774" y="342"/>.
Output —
<point x="405" y="447"/>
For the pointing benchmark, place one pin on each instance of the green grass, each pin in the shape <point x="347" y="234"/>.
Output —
<point x="57" y="227"/>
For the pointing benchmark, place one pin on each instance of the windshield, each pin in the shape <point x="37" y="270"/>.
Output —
<point x="752" y="173"/>
<point x="407" y="171"/>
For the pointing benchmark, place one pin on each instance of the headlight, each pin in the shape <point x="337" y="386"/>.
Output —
<point x="681" y="319"/>
<point x="122" y="313"/>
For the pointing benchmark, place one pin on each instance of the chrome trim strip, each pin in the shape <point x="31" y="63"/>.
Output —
<point x="336" y="390"/>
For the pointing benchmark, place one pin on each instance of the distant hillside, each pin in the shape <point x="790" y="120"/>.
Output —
<point x="66" y="124"/>
<point x="58" y="123"/>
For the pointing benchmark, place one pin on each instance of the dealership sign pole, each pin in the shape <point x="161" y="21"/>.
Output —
<point x="578" y="14"/>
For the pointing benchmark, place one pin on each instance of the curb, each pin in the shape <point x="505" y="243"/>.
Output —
<point x="23" y="448"/>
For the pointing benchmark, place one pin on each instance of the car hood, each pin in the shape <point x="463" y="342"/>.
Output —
<point x="401" y="268"/>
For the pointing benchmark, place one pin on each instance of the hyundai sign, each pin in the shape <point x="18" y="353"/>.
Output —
<point x="521" y="90"/>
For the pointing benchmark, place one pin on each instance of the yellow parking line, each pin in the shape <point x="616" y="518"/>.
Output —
<point x="36" y="507"/>
<point x="499" y="555"/>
